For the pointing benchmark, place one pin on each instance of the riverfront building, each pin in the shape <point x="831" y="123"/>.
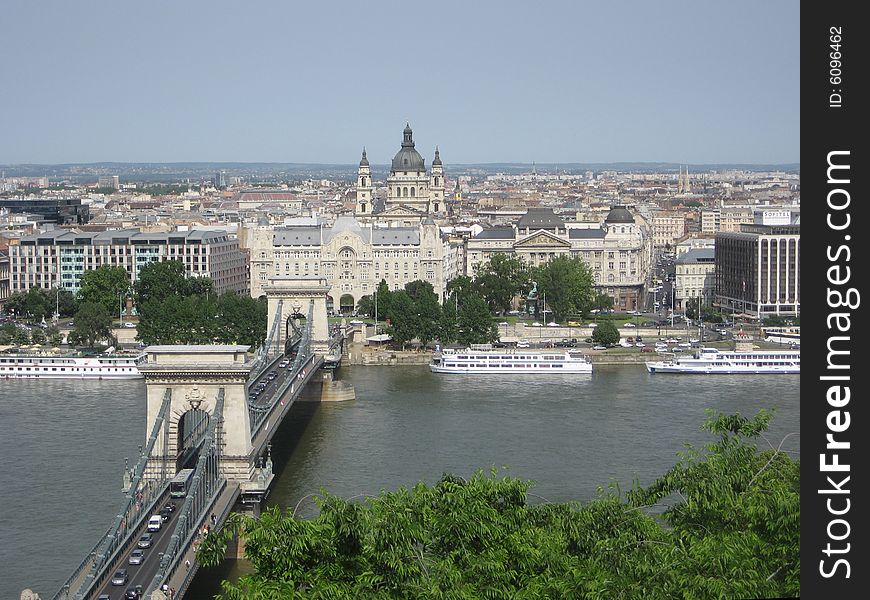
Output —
<point x="59" y="258"/>
<point x="695" y="277"/>
<point x="354" y="257"/>
<point x="758" y="270"/>
<point x="618" y="251"/>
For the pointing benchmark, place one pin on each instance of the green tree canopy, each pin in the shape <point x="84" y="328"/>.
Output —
<point x="403" y="317"/>
<point x="92" y="322"/>
<point x="605" y="333"/>
<point x="567" y="284"/>
<point x="105" y="286"/>
<point x="730" y="529"/>
<point x="366" y="306"/>
<point x="501" y="278"/>
<point x="448" y="326"/>
<point x="159" y="280"/>
<point x="602" y="302"/>
<point x="475" y="325"/>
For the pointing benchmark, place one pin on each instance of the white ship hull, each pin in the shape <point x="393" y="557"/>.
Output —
<point x="38" y="367"/>
<point x="509" y="362"/>
<point x="710" y="361"/>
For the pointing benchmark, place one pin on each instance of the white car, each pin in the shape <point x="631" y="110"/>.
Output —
<point x="552" y="324"/>
<point x="522" y="344"/>
<point x="154" y="523"/>
<point x="629" y="325"/>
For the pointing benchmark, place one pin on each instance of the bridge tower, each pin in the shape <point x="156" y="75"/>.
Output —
<point x="194" y="375"/>
<point x="294" y="295"/>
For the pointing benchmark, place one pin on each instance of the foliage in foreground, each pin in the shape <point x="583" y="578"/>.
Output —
<point x="730" y="529"/>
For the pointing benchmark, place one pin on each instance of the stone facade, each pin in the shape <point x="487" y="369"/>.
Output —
<point x="353" y="257"/>
<point x="618" y="251"/>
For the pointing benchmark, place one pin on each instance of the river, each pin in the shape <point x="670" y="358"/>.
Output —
<point x="63" y="445"/>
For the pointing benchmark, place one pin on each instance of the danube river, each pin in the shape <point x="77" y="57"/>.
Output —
<point x="63" y="445"/>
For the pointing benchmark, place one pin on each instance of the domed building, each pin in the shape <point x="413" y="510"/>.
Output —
<point x="411" y="191"/>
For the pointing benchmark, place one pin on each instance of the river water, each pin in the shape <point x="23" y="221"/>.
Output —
<point x="63" y="445"/>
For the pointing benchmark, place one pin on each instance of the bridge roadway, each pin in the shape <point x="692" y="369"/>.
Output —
<point x="181" y="578"/>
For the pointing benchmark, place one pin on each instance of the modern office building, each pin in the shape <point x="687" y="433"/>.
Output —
<point x="758" y="271"/>
<point x="63" y="211"/>
<point x="59" y="258"/>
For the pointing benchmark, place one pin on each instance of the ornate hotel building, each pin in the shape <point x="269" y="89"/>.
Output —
<point x="354" y="257"/>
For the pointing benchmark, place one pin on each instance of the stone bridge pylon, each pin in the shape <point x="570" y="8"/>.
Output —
<point x="295" y="295"/>
<point x="194" y="375"/>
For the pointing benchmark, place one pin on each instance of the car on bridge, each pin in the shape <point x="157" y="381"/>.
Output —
<point x="120" y="577"/>
<point x="145" y="541"/>
<point x="284" y="364"/>
<point x="136" y="557"/>
<point x="165" y="513"/>
<point x="155" y="522"/>
<point x="133" y="593"/>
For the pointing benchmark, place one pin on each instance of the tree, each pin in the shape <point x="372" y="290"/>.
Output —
<point x="105" y="286"/>
<point x="567" y="284"/>
<point x="461" y="288"/>
<point x="605" y="333"/>
<point x="428" y="317"/>
<point x="730" y="529"/>
<point x="366" y="306"/>
<point x="65" y="302"/>
<point x="159" y="280"/>
<point x="501" y="278"/>
<point x="383" y="298"/>
<point x="37" y="335"/>
<point x="92" y="322"/>
<point x="475" y="323"/>
<point x="602" y="302"/>
<point x="448" y="327"/>
<point x="403" y="317"/>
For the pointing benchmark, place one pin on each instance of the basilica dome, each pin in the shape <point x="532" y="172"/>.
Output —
<point x="407" y="158"/>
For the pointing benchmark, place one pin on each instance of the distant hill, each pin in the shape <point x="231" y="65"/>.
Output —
<point x="197" y="171"/>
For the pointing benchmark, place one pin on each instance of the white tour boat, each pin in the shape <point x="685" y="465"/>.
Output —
<point x="483" y="358"/>
<point x="711" y="360"/>
<point x="71" y="366"/>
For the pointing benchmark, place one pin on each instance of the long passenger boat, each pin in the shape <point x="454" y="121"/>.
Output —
<point x="484" y="359"/>
<point x="72" y="366"/>
<point x="712" y="360"/>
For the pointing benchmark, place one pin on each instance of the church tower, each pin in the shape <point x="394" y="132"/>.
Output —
<point x="364" y="198"/>
<point x="436" y="185"/>
<point x="408" y="183"/>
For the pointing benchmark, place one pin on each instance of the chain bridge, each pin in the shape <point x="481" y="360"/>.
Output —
<point x="211" y="415"/>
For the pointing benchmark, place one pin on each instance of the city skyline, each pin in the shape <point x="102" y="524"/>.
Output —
<point x="488" y="83"/>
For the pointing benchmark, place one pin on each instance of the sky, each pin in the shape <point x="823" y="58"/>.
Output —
<point x="486" y="81"/>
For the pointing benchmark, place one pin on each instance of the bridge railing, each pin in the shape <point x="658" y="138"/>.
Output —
<point x="269" y="349"/>
<point x="138" y="497"/>
<point x="205" y="485"/>
<point x="258" y="412"/>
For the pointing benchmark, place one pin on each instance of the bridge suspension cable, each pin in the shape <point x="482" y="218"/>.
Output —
<point x="269" y="349"/>
<point x="205" y="485"/>
<point x="140" y="496"/>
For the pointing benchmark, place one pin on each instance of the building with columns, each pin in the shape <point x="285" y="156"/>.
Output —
<point x="758" y="270"/>
<point x="618" y="251"/>
<point x="412" y="192"/>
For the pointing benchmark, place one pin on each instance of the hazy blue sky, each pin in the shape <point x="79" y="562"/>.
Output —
<point x="487" y="81"/>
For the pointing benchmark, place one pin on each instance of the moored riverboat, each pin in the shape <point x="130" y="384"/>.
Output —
<point x="483" y="358"/>
<point x="70" y="366"/>
<point x="712" y="360"/>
